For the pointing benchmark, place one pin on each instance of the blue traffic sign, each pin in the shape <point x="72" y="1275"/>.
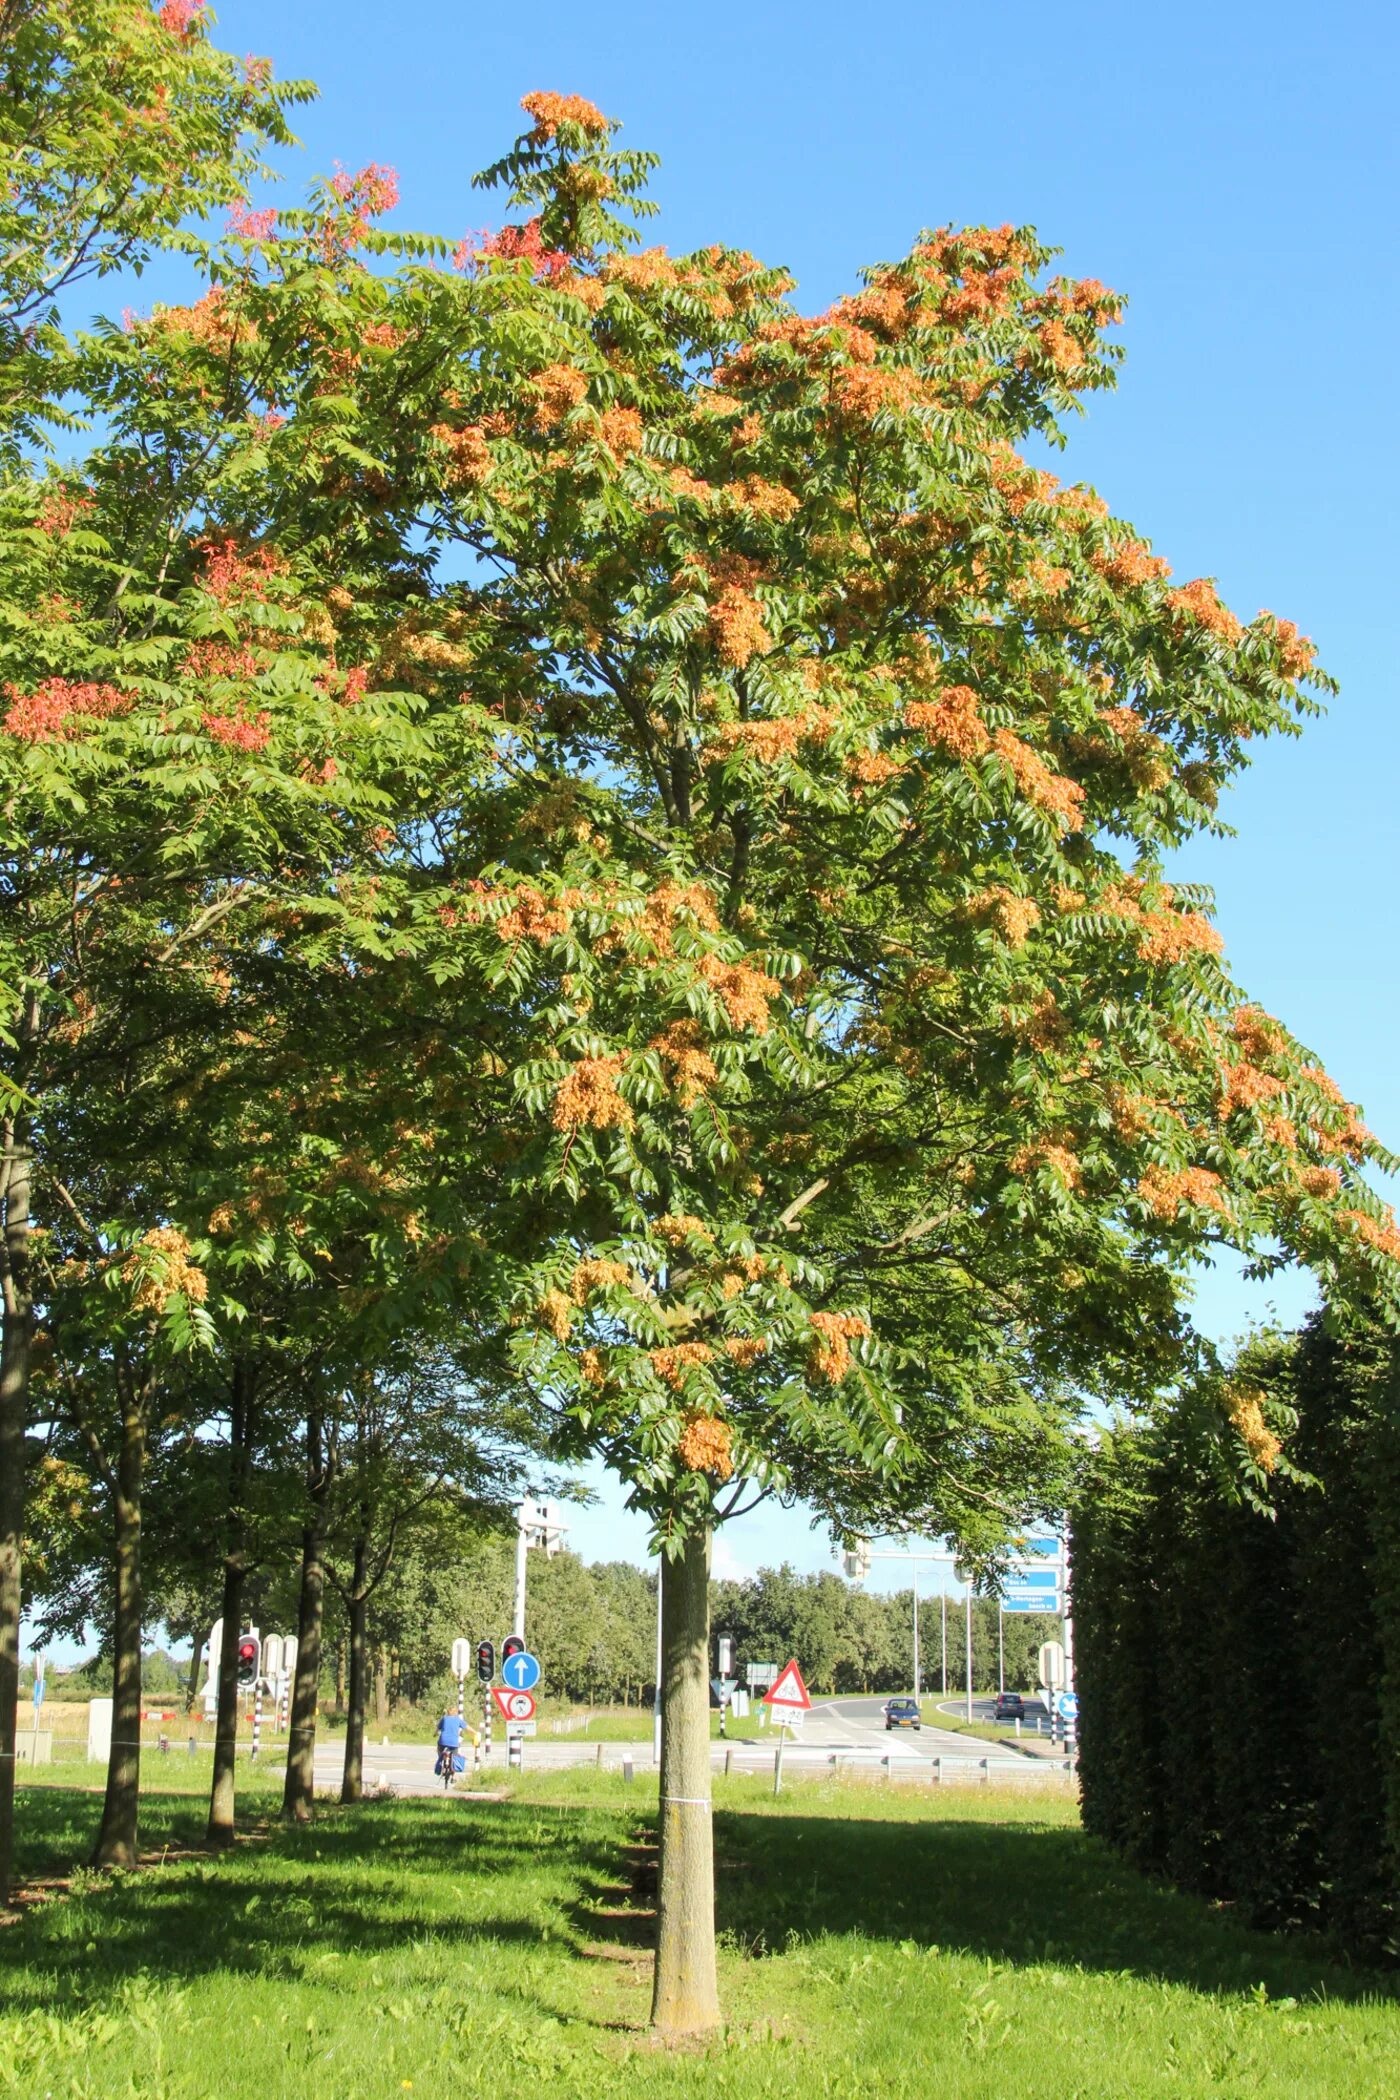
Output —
<point x="1035" y="1579"/>
<point x="1047" y="1549"/>
<point x="1067" y="1706"/>
<point x="521" y="1671"/>
<point x="1032" y="1600"/>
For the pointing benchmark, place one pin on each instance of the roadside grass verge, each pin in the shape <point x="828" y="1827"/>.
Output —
<point x="874" y="1942"/>
<point x="984" y="1731"/>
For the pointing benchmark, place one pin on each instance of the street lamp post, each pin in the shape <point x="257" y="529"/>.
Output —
<point x="856" y="1563"/>
<point x="536" y="1524"/>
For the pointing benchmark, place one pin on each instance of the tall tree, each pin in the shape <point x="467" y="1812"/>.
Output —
<point x="880" y="1088"/>
<point x="116" y="121"/>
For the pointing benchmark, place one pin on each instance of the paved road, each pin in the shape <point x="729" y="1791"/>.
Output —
<point x="984" y="1709"/>
<point x="849" y="1731"/>
<point x="861" y="1723"/>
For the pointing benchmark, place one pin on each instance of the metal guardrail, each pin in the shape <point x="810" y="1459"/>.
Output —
<point x="799" y="1760"/>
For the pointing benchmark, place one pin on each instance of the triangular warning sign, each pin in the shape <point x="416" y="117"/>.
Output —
<point x="789" y="1690"/>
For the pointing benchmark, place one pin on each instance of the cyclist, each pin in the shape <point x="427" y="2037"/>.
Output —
<point x="449" y="1745"/>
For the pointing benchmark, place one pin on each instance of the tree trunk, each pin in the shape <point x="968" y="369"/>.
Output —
<point x="192" y="1686"/>
<point x="685" y="1996"/>
<point x="381" y="1687"/>
<point x="223" y="1792"/>
<point x="116" y="1844"/>
<point x="352" y="1785"/>
<point x="340" y="1676"/>
<point x="16" y="1340"/>
<point x="299" y="1790"/>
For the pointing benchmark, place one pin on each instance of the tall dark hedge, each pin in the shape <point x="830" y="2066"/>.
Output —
<point x="1239" y="1671"/>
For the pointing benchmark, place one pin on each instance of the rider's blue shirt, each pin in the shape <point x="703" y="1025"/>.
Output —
<point x="449" y="1732"/>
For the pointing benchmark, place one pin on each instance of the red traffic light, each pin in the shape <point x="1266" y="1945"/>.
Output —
<point x="247" y="1660"/>
<point x="513" y="1644"/>
<point x="486" y="1660"/>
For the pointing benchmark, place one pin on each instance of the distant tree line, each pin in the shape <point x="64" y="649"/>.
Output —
<point x="594" y="1627"/>
<point x="1238" y="1666"/>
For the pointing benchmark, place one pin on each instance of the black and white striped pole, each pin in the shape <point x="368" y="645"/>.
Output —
<point x="250" y="1676"/>
<point x="485" y="1671"/>
<point x="461" y="1664"/>
<point x="269" y="1674"/>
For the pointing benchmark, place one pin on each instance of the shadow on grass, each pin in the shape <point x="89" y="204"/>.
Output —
<point x="360" y="1882"/>
<point x="470" y="1875"/>
<point x="1015" y="1893"/>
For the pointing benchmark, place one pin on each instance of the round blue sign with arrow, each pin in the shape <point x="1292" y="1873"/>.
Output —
<point x="521" y="1671"/>
<point x="1067" y="1706"/>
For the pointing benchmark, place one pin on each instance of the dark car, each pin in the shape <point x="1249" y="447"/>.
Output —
<point x="1010" y="1706"/>
<point x="902" y="1713"/>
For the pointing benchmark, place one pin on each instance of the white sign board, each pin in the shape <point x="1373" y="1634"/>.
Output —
<point x="99" y="1743"/>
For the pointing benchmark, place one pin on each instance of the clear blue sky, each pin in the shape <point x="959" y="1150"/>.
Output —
<point x="1233" y="168"/>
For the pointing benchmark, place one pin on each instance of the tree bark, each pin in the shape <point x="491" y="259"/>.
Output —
<point x="223" y="1792"/>
<point x="298" y="1793"/>
<point x="685" y="1994"/>
<point x="116" y="1844"/>
<point x="340" y="1676"/>
<point x="16" y="1343"/>
<point x="357" y="1607"/>
<point x="192" y="1685"/>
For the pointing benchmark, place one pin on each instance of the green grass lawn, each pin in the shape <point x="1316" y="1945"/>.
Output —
<point x="875" y="1946"/>
<point x="984" y="1731"/>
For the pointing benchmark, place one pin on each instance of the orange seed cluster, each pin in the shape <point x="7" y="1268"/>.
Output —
<point x="588" y="1098"/>
<point x="1165" y="1192"/>
<point x="550" y="111"/>
<point x="831" y="1350"/>
<point x="1246" y="1408"/>
<point x="706" y="1445"/>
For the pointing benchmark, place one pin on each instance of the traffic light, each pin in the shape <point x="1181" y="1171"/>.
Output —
<point x="248" y="1658"/>
<point x="856" y="1561"/>
<point x="486" y="1660"/>
<point x="513" y="1644"/>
